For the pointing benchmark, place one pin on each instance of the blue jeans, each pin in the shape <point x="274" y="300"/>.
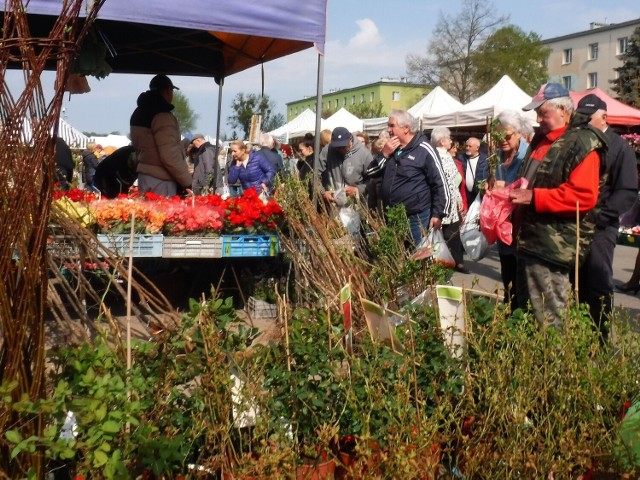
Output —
<point x="419" y="222"/>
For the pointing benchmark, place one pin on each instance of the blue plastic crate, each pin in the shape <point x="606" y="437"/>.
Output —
<point x="250" y="245"/>
<point x="143" y="245"/>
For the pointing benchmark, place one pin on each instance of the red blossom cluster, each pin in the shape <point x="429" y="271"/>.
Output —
<point x="201" y="215"/>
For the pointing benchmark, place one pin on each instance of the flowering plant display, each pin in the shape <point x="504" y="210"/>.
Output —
<point x="632" y="139"/>
<point x="206" y="215"/>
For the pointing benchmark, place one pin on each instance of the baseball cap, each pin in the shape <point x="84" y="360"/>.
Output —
<point x="590" y="104"/>
<point x="340" y="137"/>
<point x="546" y="92"/>
<point x="160" y="82"/>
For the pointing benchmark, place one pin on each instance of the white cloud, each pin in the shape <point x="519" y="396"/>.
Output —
<point x="368" y="35"/>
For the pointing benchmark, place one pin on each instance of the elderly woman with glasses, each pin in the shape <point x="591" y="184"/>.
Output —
<point x="511" y="151"/>
<point x="441" y="138"/>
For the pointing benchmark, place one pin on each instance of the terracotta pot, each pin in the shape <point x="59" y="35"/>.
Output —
<point x="322" y="470"/>
<point x="428" y="458"/>
<point x="346" y="464"/>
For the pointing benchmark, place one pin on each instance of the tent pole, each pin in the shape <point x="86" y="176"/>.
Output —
<point x="220" y="85"/>
<point x="316" y="145"/>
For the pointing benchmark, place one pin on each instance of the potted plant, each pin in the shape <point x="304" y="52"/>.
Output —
<point x="303" y="378"/>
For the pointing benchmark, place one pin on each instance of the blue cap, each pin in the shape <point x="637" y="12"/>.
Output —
<point x="546" y="92"/>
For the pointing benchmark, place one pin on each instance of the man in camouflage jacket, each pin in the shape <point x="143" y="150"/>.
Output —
<point x="564" y="168"/>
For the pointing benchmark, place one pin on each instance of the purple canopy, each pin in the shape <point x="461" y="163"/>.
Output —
<point x="197" y="37"/>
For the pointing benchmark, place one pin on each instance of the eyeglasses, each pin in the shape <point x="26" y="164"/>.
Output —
<point x="508" y="137"/>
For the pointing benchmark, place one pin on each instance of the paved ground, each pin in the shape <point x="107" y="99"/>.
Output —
<point x="485" y="275"/>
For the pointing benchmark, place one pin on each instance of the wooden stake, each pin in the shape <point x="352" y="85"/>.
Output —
<point x="577" y="269"/>
<point x="129" y="282"/>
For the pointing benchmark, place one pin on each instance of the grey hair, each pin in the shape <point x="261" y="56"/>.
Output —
<point x="405" y="119"/>
<point x="267" y="140"/>
<point x="438" y="134"/>
<point x="562" y="102"/>
<point x="511" y="119"/>
<point x="527" y="129"/>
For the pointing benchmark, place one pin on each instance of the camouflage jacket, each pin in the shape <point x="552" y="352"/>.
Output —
<point x="550" y="237"/>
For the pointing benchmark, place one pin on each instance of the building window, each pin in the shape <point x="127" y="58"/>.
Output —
<point x="566" y="81"/>
<point x="337" y="103"/>
<point x="372" y="97"/>
<point x="592" y="82"/>
<point x="344" y="102"/>
<point x="621" y="49"/>
<point x="395" y="96"/>
<point x="362" y="98"/>
<point x="567" y="56"/>
<point x="593" y="51"/>
<point x="353" y="100"/>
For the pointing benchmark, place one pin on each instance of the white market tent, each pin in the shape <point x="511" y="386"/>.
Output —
<point x="346" y="119"/>
<point x="298" y="127"/>
<point x="71" y="135"/>
<point x="436" y="102"/>
<point x="504" y="95"/>
<point x="112" y="140"/>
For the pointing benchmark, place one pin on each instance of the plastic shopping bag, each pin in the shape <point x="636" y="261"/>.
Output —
<point x="350" y="218"/>
<point x="473" y="240"/>
<point x="495" y="211"/>
<point x="433" y="246"/>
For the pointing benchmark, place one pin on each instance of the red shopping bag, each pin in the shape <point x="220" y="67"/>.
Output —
<point x="495" y="211"/>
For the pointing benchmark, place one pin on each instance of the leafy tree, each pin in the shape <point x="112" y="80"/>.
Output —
<point x="244" y="106"/>
<point x="187" y="118"/>
<point x="627" y="85"/>
<point x="367" y="110"/>
<point x="511" y="51"/>
<point x="449" y="60"/>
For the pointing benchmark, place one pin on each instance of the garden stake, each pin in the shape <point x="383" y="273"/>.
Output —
<point x="129" y="280"/>
<point x="577" y="250"/>
<point x="413" y="364"/>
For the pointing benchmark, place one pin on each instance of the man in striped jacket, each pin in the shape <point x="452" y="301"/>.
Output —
<point x="412" y="174"/>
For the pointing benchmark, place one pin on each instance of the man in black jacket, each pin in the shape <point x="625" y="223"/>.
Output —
<point x="412" y="174"/>
<point x="474" y="166"/>
<point x="616" y="197"/>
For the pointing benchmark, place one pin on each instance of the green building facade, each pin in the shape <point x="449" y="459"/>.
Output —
<point x="391" y="94"/>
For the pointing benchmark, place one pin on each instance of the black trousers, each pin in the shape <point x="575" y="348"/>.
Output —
<point x="451" y="233"/>
<point x="596" y="277"/>
<point x="508" y="273"/>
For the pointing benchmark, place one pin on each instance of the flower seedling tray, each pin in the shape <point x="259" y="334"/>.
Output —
<point x="250" y="245"/>
<point x="261" y="309"/>
<point x="143" y="245"/>
<point x="62" y="246"/>
<point x="192" y="247"/>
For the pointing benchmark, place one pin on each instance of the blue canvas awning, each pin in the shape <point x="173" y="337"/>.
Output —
<point x="197" y="37"/>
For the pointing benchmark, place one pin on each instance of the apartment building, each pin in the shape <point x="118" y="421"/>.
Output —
<point x="587" y="59"/>
<point x="392" y="93"/>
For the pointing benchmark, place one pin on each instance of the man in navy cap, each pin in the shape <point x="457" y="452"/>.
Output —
<point x="155" y="135"/>
<point x="563" y="169"/>
<point x="345" y="166"/>
<point x="616" y="197"/>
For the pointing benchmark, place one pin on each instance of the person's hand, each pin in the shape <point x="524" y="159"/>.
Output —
<point x="391" y="146"/>
<point x="351" y="191"/>
<point x="328" y="196"/>
<point x="435" y="223"/>
<point x="189" y="192"/>
<point x="264" y="187"/>
<point x="521" y="197"/>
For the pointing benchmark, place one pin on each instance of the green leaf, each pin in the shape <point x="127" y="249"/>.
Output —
<point x="67" y="453"/>
<point x="13" y="436"/>
<point x="99" y="458"/>
<point x="110" y="427"/>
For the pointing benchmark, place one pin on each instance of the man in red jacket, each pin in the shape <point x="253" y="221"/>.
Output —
<point x="563" y="171"/>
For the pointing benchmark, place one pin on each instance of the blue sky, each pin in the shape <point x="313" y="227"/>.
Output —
<point x="365" y="42"/>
